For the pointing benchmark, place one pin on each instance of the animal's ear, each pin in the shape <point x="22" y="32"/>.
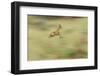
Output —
<point x="60" y="26"/>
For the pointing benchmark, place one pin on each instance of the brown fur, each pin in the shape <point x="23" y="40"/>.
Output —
<point x="56" y="32"/>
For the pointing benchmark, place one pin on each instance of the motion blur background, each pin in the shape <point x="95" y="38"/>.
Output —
<point x="71" y="45"/>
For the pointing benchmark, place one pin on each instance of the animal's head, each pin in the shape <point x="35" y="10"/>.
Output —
<point x="59" y="26"/>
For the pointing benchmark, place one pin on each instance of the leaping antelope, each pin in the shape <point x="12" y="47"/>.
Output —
<point x="56" y="32"/>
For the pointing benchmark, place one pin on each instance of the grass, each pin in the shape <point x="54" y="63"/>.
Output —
<point x="72" y="45"/>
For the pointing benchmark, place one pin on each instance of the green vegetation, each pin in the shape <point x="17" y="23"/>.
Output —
<point x="72" y="45"/>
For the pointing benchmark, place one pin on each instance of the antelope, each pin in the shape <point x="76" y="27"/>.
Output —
<point x="56" y="32"/>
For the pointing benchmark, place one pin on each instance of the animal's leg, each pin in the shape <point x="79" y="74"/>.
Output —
<point x="60" y="36"/>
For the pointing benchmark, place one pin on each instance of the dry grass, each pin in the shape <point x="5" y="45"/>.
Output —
<point x="72" y="45"/>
